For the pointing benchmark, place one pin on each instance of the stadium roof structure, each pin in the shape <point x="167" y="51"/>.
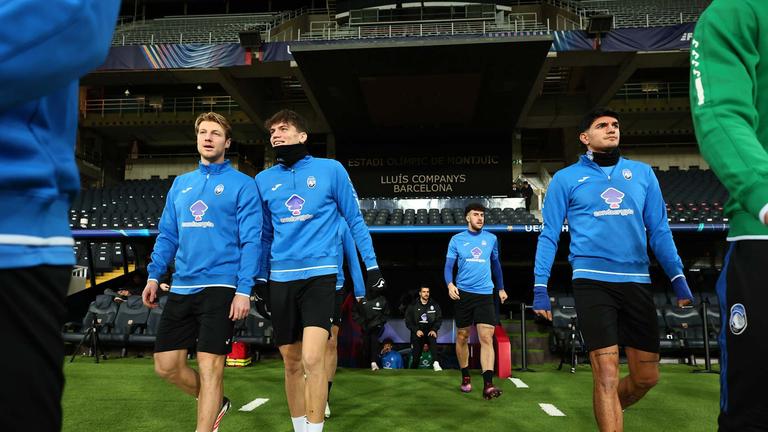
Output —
<point x="401" y="84"/>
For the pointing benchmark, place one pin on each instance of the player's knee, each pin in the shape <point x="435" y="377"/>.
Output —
<point x="462" y="337"/>
<point x="311" y="361"/>
<point x="211" y="372"/>
<point x="646" y="381"/>
<point x="486" y="339"/>
<point x="606" y="380"/>
<point x="293" y="366"/>
<point x="166" y="371"/>
<point x="331" y="345"/>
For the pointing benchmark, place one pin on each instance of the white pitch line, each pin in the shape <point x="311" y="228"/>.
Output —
<point x="551" y="410"/>
<point x="252" y="405"/>
<point x="518" y="383"/>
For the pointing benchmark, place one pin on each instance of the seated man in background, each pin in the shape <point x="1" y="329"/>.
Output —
<point x="389" y="357"/>
<point x="424" y="318"/>
<point x="134" y="286"/>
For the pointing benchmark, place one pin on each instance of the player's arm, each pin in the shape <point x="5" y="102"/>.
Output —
<point x="45" y="47"/>
<point x="166" y="245"/>
<point x="498" y="276"/>
<point x="346" y="201"/>
<point x="450" y="262"/>
<point x="661" y="241"/>
<point x="249" y="222"/>
<point x="724" y="59"/>
<point x="267" y="236"/>
<point x="353" y="263"/>
<point x="554" y="212"/>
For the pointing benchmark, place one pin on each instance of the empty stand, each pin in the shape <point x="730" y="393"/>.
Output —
<point x="443" y="211"/>
<point x="192" y="29"/>
<point x="692" y="196"/>
<point x="645" y="13"/>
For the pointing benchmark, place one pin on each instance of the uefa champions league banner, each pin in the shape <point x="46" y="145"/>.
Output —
<point x="174" y="56"/>
<point x="439" y="174"/>
<point x="276" y="51"/>
<point x="676" y="37"/>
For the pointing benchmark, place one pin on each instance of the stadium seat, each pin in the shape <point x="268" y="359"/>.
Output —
<point x="131" y="318"/>
<point x="256" y="330"/>
<point x="669" y="343"/>
<point x="566" y="338"/>
<point x="686" y="324"/>
<point x="101" y="316"/>
<point x="146" y="336"/>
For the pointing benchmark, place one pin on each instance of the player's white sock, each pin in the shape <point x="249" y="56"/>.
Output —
<point x="299" y="424"/>
<point x="315" y="427"/>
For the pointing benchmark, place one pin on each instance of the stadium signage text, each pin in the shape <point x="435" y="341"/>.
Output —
<point x="419" y="161"/>
<point x="407" y="171"/>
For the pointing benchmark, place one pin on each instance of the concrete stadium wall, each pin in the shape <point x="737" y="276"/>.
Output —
<point x="668" y="156"/>
<point x="137" y="169"/>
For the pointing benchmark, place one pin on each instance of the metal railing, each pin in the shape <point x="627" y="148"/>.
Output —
<point x="653" y="90"/>
<point x="203" y="28"/>
<point x="192" y="29"/>
<point x="151" y="105"/>
<point x="644" y="13"/>
<point x="424" y="29"/>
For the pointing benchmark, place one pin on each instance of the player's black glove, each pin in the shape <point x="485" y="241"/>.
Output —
<point x="260" y="297"/>
<point x="375" y="281"/>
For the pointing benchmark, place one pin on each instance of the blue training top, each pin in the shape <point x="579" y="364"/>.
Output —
<point x="303" y="205"/>
<point x="479" y="265"/>
<point x="211" y="224"/>
<point x="44" y="50"/>
<point x="611" y="216"/>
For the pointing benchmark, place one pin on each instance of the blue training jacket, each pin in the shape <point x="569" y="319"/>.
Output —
<point x="479" y="265"/>
<point x="302" y="205"/>
<point x="348" y="251"/>
<point x="211" y="224"/>
<point x="44" y="50"/>
<point x="608" y="215"/>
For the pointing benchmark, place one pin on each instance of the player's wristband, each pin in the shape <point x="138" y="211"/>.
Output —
<point x="541" y="298"/>
<point x="682" y="291"/>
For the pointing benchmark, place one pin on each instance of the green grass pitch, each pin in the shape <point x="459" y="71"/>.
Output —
<point x="125" y="395"/>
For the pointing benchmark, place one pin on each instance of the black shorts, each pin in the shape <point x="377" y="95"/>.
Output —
<point x="299" y="304"/>
<point x="201" y="318"/>
<point x="474" y="308"/>
<point x="32" y="312"/>
<point x="616" y="313"/>
<point x="743" y="376"/>
<point x="341" y="295"/>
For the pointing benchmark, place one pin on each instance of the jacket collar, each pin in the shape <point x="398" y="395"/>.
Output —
<point x="587" y="161"/>
<point x="306" y="160"/>
<point x="214" y="168"/>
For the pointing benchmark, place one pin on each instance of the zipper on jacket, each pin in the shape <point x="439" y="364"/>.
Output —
<point x="205" y="183"/>
<point x="596" y="166"/>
